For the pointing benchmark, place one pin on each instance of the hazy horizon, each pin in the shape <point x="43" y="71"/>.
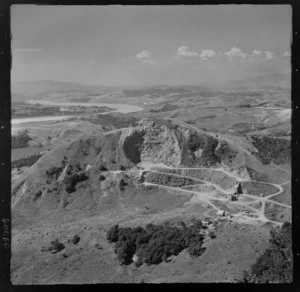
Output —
<point x="149" y="45"/>
<point x="209" y="84"/>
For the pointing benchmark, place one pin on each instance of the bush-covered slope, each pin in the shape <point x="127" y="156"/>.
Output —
<point x="271" y="149"/>
<point x="27" y="161"/>
<point x="20" y="140"/>
<point x="275" y="265"/>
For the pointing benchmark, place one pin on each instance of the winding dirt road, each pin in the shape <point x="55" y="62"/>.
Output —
<point x="252" y="215"/>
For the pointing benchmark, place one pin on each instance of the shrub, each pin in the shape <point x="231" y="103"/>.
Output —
<point x="37" y="195"/>
<point x="122" y="185"/>
<point x="211" y="235"/>
<point x="190" y="122"/>
<point x="54" y="171"/>
<point x="20" y="140"/>
<point x="196" y="250"/>
<point x="75" y="239"/>
<point x="72" y="180"/>
<point x="78" y="167"/>
<point x="55" y="246"/>
<point x="102" y="167"/>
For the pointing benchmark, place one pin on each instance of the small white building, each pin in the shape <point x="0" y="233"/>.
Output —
<point x="135" y="258"/>
<point x="88" y="167"/>
<point x="205" y="223"/>
<point x="221" y="213"/>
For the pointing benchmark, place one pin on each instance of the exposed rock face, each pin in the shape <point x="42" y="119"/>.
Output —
<point x="154" y="141"/>
<point x="163" y="141"/>
<point x="161" y="144"/>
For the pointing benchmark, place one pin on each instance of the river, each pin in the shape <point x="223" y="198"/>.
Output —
<point x="119" y="108"/>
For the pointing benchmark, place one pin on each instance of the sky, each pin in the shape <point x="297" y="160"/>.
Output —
<point x="149" y="45"/>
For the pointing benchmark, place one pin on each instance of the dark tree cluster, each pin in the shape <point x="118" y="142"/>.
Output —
<point x="155" y="243"/>
<point x="168" y="180"/>
<point x="271" y="149"/>
<point x="74" y="240"/>
<point x="254" y="175"/>
<point x="55" y="246"/>
<point x="27" y="161"/>
<point x="17" y="188"/>
<point x="244" y="105"/>
<point x="275" y="265"/>
<point x="195" y="142"/>
<point x="102" y="167"/>
<point x="167" y="123"/>
<point x="208" y="143"/>
<point x="37" y="195"/>
<point x="225" y="152"/>
<point x="20" y="140"/>
<point x="208" y="156"/>
<point x="122" y="185"/>
<point x="72" y="180"/>
<point x="190" y="122"/>
<point x="73" y="167"/>
<point x="54" y="171"/>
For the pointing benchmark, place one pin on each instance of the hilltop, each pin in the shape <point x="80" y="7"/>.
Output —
<point x="154" y="170"/>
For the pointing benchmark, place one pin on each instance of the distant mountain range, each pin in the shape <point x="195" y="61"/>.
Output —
<point x="29" y="88"/>
<point x="44" y="86"/>
<point x="271" y="80"/>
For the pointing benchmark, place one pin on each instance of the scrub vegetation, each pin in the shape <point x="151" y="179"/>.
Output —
<point x="275" y="265"/>
<point x="271" y="149"/>
<point x="20" y="140"/>
<point x="155" y="243"/>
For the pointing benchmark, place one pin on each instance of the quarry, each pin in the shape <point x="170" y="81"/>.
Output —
<point x="154" y="170"/>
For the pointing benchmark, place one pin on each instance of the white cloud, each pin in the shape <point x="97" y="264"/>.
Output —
<point x="269" y="55"/>
<point x="256" y="53"/>
<point x="143" y="54"/>
<point x="184" y="51"/>
<point x="236" y="52"/>
<point x="286" y="54"/>
<point x="143" y="57"/>
<point x="207" y="54"/>
<point x="28" y="50"/>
